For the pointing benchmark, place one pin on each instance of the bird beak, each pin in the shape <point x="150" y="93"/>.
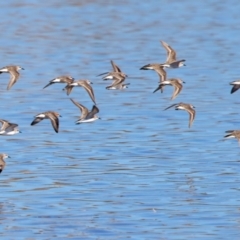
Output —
<point x="22" y="68"/>
<point x="91" y="82"/>
<point x="60" y="116"/>
<point x="184" y="82"/>
<point x="9" y="157"/>
<point x="99" y="118"/>
<point x="20" y="131"/>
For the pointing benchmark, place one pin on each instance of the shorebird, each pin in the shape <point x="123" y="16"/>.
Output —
<point x="171" y="61"/>
<point x="53" y="116"/>
<point x="236" y="86"/>
<point x="86" y="116"/>
<point x="82" y="83"/>
<point x="175" y="82"/>
<point x="159" y="69"/>
<point x="118" y="86"/>
<point x="14" y="72"/>
<point x="8" y="128"/>
<point x="2" y="162"/>
<point x="233" y="134"/>
<point x="116" y="69"/>
<point x="187" y="107"/>
<point x="61" y="79"/>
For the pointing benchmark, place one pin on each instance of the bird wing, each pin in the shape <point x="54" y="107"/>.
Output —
<point x="54" y="120"/>
<point x="14" y="77"/>
<point x="192" y="114"/>
<point x="89" y="89"/>
<point x="177" y="89"/>
<point x="175" y="104"/>
<point x="84" y="110"/>
<point x="161" y="72"/>
<point x="115" y="67"/>
<point x="235" y="88"/>
<point x="171" y="54"/>
<point x="68" y="88"/>
<point x="94" y="111"/>
<point x="36" y="120"/>
<point x="11" y="127"/>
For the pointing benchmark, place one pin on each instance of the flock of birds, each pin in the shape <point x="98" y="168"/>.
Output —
<point x="118" y="78"/>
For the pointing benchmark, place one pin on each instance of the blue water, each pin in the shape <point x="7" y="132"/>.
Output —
<point x="139" y="172"/>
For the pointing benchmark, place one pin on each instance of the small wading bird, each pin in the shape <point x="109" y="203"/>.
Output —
<point x="118" y="86"/>
<point x="171" y="61"/>
<point x="8" y="128"/>
<point x="116" y="70"/>
<point x="175" y="82"/>
<point x="14" y="74"/>
<point x="61" y="79"/>
<point x="187" y="107"/>
<point x="2" y="162"/>
<point x="53" y="116"/>
<point x="86" y="116"/>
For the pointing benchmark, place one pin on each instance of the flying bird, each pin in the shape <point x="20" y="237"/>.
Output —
<point x="171" y="61"/>
<point x="61" y="79"/>
<point x="175" y="82"/>
<point x="86" y="115"/>
<point x="14" y="74"/>
<point x="187" y="107"/>
<point x="53" y="116"/>
<point x="8" y="128"/>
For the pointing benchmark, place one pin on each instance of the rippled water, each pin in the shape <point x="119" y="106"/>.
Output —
<point x="139" y="173"/>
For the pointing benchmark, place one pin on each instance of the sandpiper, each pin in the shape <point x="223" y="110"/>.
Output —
<point x="116" y="69"/>
<point x="8" y="128"/>
<point x="2" y="162"/>
<point x="14" y="72"/>
<point x="175" y="82"/>
<point x="86" y="116"/>
<point x="82" y="83"/>
<point x="118" y="86"/>
<point x="233" y="134"/>
<point x="236" y="86"/>
<point x="172" y="61"/>
<point x="53" y="116"/>
<point x="187" y="107"/>
<point x="61" y="79"/>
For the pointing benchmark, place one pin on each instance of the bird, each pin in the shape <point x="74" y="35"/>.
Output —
<point x="8" y="128"/>
<point x="61" y="79"/>
<point x="175" y="82"/>
<point x="86" y="116"/>
<point x="171" y="61"/>
<point x="82" y="83"/>
<point x="116" y="69"/>
<point x="159" y="69"/>
<point x="2" y="162"/>
<point x="118" y="86"/>
<point x="236" y="86"/>
<point x="53" y="116"/>
<point x="14" y="74"/>
<point x="187" y="107"/>
<point x="115" y="75"/>
<point x="233" y="134"/>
